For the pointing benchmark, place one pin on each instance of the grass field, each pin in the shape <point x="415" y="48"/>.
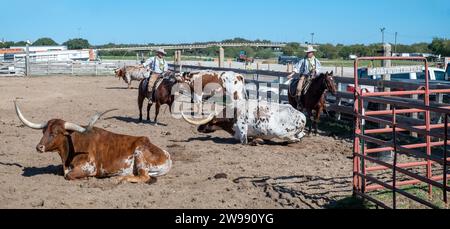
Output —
<point x="420" y="191"/>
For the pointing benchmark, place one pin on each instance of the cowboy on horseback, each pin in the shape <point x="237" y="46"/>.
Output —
<point x="305" y="70"/>
<point x="157" y="66"/>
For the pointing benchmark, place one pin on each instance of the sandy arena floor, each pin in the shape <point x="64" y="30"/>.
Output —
<point x="312" y="174"/>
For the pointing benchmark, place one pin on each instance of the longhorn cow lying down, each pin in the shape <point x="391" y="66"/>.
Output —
<point x="256" y="120"/>
<point x="93" y="152"/>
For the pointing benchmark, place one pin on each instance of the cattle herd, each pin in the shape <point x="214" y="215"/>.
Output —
<point x="88" y="151"/>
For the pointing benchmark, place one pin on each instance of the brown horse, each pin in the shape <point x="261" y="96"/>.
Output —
<point x="314" y="98"/>
<point x="161" y="95"/>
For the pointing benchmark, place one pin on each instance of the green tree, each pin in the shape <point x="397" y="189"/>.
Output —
<point x="20" y="43"/>
<point x="45" y="41"/>
<point x="77" y="43"/>
<point x="291" y="49"/>
<point x="265" y="54"/>
<point x="440" y="46"/>
<point x="328" y="51"/>
<point x="6" y="44"/>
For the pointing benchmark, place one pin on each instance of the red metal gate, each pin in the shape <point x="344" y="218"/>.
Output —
<point x="433" y="140"/>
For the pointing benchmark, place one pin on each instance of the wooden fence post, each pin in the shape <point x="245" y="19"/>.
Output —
<point x="221" y="57"/>
<point x="387" y="49"/>
<point x="339" y="102"/>
<point x="27" y="61"/>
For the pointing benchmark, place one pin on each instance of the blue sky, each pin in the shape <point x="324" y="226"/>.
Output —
<point x="177" y="21"/>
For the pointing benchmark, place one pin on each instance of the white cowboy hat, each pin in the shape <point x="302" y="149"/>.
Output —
<point x="310" y="49"/>
<point x="160" y="50"/>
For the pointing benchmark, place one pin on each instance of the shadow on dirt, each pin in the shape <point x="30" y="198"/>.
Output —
<point x="306" y="192"/>
<point x="121" y="88"/>
<point x="232" y="141"/>
<point x="216" y="140"/>
<point x="11" y="164"/>
<point x="134" y="120"/>
<point x="49" y="170"/>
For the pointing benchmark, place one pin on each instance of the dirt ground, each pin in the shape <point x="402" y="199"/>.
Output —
<point x="312" y="174"/>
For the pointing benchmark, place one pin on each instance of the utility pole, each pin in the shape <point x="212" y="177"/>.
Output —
<point x="312" y="38"/>
<point x="395" y="47"/>
<point x="382" y="35"/>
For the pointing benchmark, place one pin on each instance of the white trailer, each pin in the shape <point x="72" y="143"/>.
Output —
<point x="59" y="56"/>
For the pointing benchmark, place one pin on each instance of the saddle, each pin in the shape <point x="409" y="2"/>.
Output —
<point x="155" y="86"/>
<point x="294" y="84"/>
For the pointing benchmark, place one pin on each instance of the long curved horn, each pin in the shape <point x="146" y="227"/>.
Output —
<point x="200" y="122"/>
<point x="97" y="117"/>
<point x="74" y="127"/>
<point x="26" y="122"/>
<point x="94" y="119"/>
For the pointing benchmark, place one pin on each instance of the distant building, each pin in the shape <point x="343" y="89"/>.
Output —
<point x="426" y="55"/>
<point x="47" y="54"/>
<point x="42" y="48"/>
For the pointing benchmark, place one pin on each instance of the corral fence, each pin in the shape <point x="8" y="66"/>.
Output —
<point x="426" y="161"/>
<point x="69" y="68"/>
<point x="400" y="110"/>
<point x="341" y="103"/>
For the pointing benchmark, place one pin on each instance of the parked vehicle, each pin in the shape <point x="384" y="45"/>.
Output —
<point x="284" y="60"/>
<point x="244" y="58"/>
<point x="436" y="75"/>
<point x="447" y="72"/>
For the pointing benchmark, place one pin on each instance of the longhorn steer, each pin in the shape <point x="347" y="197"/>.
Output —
<point x="94" y="152"/>
<point x="230" y="83"/>
<point x="258" y="121"/>
<point x="131" y="73"/>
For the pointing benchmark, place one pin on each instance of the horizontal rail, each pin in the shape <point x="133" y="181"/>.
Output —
<point x="404" y="183"/>
<point x="392" y="93"/>
<point x="404" y="171"/>
<point x="410" y="146"/>
<point x="400" y="103"/>
<point x="391" y="187"/>
<point x="390" y="130"/>
<point x="402" y="150"/>
<point x="377" y="202"/>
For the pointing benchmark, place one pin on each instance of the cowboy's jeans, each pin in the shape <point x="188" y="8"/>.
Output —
<point x="300" y="84"/>
<point x="151" y="83"/>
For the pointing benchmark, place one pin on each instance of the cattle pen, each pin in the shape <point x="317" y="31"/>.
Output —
<point x="397" y="112"/>
<point x="316" y="173"/>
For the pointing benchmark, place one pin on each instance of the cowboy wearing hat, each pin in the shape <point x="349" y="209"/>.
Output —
<point x="306" y="68"/>
<point x="157" y="66"/>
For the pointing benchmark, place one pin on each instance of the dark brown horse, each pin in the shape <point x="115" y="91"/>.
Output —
<point x="314" y="98"/>
<point x="161" y="95"/>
